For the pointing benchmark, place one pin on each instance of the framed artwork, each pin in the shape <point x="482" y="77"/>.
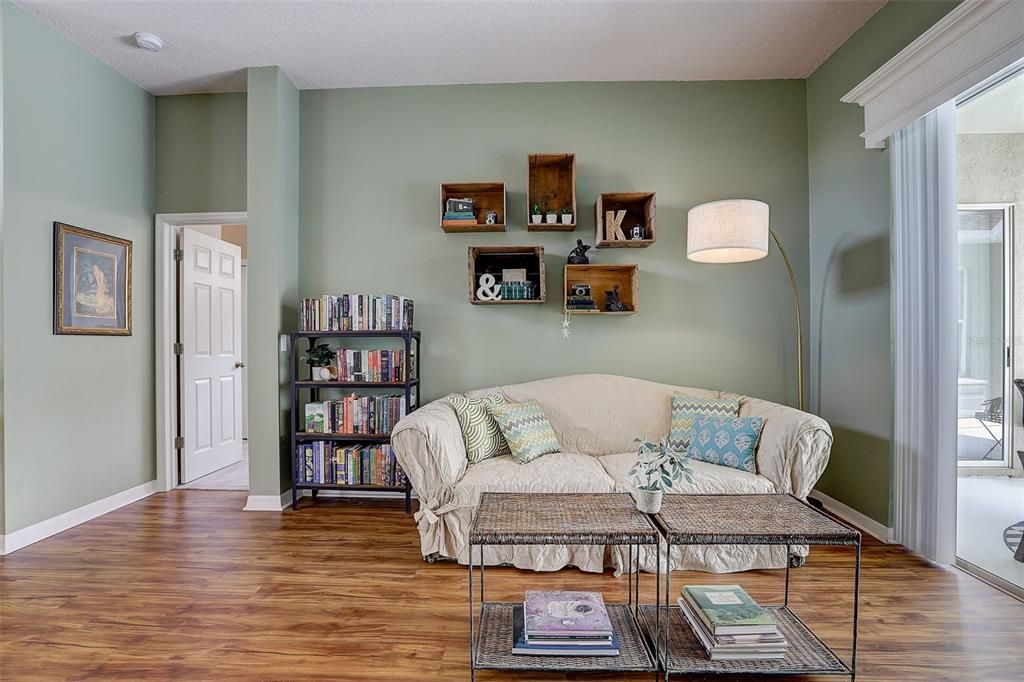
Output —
<point x="92" y="274"/>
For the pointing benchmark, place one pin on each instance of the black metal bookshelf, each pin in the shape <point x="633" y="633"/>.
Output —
<point x="313" y="388"/>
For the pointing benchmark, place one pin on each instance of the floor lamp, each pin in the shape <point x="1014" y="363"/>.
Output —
<point x="737" y="231"/>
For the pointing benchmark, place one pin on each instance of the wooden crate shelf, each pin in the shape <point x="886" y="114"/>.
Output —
<point x="494" y="259"/>
<point x="602" y="278"/>
<point x="486" y="196"/>
<point x="552" y="185"/>
<point x="640" y="210"/>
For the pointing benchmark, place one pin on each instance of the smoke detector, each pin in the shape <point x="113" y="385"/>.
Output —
<point x="148" y="41"/>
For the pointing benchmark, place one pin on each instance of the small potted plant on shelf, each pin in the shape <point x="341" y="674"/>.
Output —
<point x="535" y="214"/>
<point x="654" y="472"/>
<point x="320" y="359"/>
<point x="567" y="215"/>
<point x="551" y="216"/>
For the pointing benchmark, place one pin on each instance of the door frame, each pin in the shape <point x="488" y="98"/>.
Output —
<point x="166" y="226"/>
<point x="1009" y="390"/>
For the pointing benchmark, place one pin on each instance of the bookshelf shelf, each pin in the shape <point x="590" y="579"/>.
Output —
<point x="639" y="210"/>
<point x="306" y="390"/>
<point x="602" y="278"/>
<point x="494" y="259"/>
<point x="552" y="186"/>
<point x="486" y="196"/>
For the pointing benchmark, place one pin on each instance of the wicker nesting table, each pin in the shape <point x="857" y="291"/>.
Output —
<point x="558" y="519"/>
<point x="747" y="520"/>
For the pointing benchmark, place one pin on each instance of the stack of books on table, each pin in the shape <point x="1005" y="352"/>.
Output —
<point x="563" y="624"/>
<point x="730" y="624"/>
<point x="459" y="212"/>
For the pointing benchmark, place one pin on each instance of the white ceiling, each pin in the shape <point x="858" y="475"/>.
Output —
<point x="386" y="42"/>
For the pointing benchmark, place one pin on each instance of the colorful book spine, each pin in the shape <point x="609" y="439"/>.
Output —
<point x="356" y="312"/>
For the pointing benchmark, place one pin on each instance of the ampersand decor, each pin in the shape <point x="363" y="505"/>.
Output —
<point x="489" y="290"/>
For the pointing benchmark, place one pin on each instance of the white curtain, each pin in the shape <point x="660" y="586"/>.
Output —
<point x="924" y="304"/>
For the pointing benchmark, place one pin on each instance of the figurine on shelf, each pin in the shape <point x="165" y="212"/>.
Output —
<point x="579" y="254"/>
<point x="612" y="303"/>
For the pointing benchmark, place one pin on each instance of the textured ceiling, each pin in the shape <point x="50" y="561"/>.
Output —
<point x="383" y="43"/>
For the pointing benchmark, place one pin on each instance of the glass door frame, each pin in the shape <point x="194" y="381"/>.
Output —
<point x="1008" y="335"/>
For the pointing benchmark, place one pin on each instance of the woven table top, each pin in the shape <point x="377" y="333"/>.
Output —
<point x="560" y="519"/>
<point x="748" y="520"/>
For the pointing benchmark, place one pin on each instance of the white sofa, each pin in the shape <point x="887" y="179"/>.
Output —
<point x="596" y="418"/>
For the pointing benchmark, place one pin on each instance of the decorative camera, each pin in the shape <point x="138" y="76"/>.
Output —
<point x="581" y="290"/>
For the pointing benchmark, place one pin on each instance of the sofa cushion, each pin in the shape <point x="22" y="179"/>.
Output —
<point x="684" y="407"/>
<point x="526" y="429"/>
<point x="559" y="472"/>
<point x="727" y="441"/>
<point x="707" y="478"/>
<point x="481" y="433"/>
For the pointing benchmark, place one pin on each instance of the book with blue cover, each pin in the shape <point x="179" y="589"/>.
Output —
<point x="520" y="644"/>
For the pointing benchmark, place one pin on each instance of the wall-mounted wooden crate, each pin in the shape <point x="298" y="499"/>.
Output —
<point x="552" y="185"/>
<point x="493" y="259"/>
<point x="486" y="196"/>
<point x="602" y="278"/>
<point x="640" y="210"/>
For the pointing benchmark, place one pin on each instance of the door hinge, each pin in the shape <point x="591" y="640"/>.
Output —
<point x="179" y="442"/>
<point x="179" y="255"/>
<point x="179" y="349"/>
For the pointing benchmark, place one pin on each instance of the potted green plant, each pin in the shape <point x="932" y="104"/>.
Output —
<point x="655" y="470"/>
<point x="320" y="358"/>
<point x="567" y="215"/>
<point x="535" y="214"/>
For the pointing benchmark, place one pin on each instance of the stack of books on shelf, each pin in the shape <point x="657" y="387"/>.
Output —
<point x="730" y="624"/>
<point x="355" y="312"/>
<point x="358" y="415"/>
<point x="459" y="212"/>
<point x="563" y="624"/>
<point x="371" y="365"/>
<point x="321" y="462"/>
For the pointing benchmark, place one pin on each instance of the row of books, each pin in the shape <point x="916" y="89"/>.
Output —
<point x="563" y="624"/>
<point x="321" y="462"/>
<point x="730" y="625"/>
<point x="372" y="365"/>
<point x="366" y="414"/>
<point x="356" y="312"/>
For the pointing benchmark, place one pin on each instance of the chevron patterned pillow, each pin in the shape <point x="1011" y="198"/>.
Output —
<point x="481" y="432"/>
<point x="685" y="406"/>
<point x="527" y="430"/>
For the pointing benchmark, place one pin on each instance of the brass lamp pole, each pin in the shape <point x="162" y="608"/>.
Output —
<point x="737" y="231"/>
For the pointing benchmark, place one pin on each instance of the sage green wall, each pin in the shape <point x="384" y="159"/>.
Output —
<point x="3" y="504"/>
<point x="200" y="153"/>
<point x="372" y="160"/>
<point x="79" y="148"/>
<point x="272" y="244"/>
<point x="850" y="358"/>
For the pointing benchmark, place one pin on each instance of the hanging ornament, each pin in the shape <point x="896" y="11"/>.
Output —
<point x="565" y="325"/>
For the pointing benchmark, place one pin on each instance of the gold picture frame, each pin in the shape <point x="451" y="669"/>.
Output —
<point x="92" y="282"/>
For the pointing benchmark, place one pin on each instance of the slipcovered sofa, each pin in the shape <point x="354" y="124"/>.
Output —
<point x="596" y="418"/>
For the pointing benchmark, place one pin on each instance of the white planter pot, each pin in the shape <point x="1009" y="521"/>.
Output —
<point x="322" y="374"/>
<point x="536" y="218"/>
<point x="648" y="501"/>
<point x="567" y="218"/>
<point x="551" y="218"/>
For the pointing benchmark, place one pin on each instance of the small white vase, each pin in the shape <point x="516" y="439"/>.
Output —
<point x="648" y="501"/>
<point x="567" y="218"/>
<point x="552" y="218"/>
<point x="536" y="218"/>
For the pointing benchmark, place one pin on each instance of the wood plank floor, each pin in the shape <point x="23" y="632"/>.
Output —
<point x="185" y="586"/>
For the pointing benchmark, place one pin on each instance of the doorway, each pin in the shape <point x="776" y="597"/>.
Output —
<point x="201" y="350"/>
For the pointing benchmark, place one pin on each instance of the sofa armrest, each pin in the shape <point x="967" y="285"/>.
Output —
<point x="429" y="446"/>
<point x="794" y="446"/>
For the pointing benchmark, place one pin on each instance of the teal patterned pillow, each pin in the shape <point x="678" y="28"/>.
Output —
<point x="527" y="430"/>
<point x="685" y="406"/>
<point x="481" y="432"/>
<point x="727" y="441"/>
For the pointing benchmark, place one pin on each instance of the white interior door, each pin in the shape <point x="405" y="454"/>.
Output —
<point x="211" y="332"/>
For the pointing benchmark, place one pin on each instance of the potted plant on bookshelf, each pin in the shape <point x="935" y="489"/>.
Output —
<point x="535" y="214"/>
<point x="655" y="470"/>
<point x="320" y="359"/>
<point x="567" y="215"/>
<point x="551" y="216"/>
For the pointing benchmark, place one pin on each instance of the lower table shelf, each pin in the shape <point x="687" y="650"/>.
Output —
<point x="807" y="654"/>
<point x="494" y="650"/>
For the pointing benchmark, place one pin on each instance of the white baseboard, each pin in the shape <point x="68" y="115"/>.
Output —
<point x="44" y="529"/>
<point x="275" y="503"/>
<point x="268" y="502"/>
<point x="854" y="517"/>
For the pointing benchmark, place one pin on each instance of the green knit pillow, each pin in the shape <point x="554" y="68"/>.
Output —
<point x="480" y="431"/>
<point x="684" y="407"/>
<point x="527" y="430"/>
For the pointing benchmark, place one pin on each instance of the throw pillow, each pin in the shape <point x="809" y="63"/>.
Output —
<point x="481" y="432"/>
<point x="726" y="441"/>
<point x="527" y="430"/>
<point x="685" y="406"/>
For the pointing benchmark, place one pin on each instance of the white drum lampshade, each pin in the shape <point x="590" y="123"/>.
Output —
<point x="727" y="231"/>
